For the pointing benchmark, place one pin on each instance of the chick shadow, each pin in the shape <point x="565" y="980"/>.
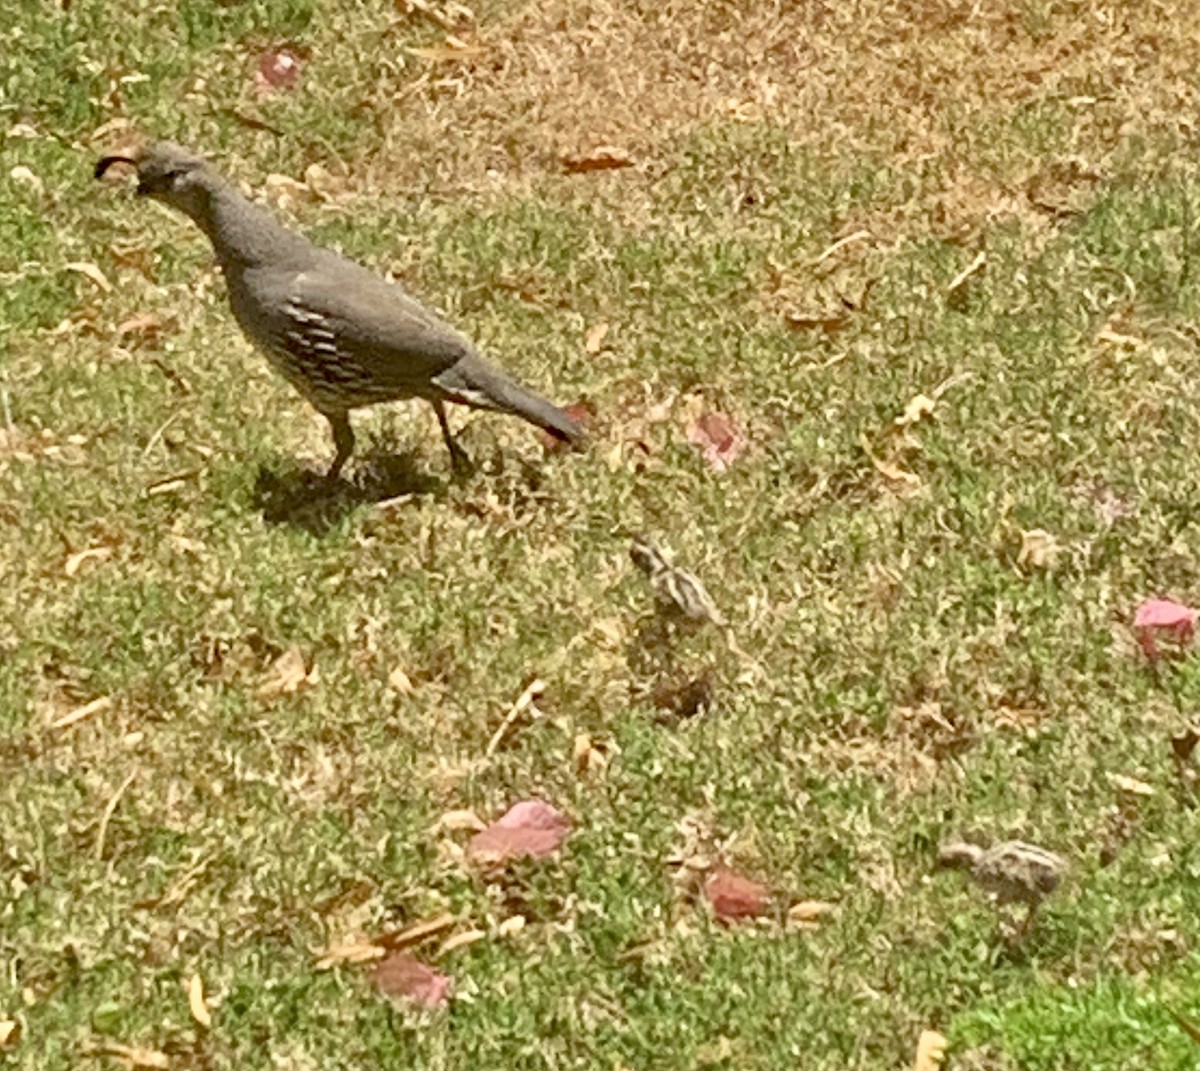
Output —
<point x="286" y="493"/>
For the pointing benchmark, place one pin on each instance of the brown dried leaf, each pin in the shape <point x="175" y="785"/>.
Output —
<point x="530" y="828"/>
<point x="447" y="53"/>
<point x="400" y="681"/>
<point x="807" y="913"/>
<point x="197" y="1004"/>
<point x="278" y="70"/>
<point x="1184" y="744"/>
<point x="931" y="1051"/>
<point x="76" y="560"/>
<point x="144" y="325"/>
<point x="1130" y="786"/>
<point x="511" y="926"/>
<point x="600" y="158"/>
<point x="594" y="342"/>
<point x="10" y="1033"/>
<point x="717" y="438"/>
<point x="134" y="1058"/>
<point x="888" y="469"/>
<point x="351" y="950"/>
<point x="404" y="977"/>
<point x="288" y="674"/>
<point x="460" y="940"/>
<point x="734" y="896"/>
<point x="417" y="933"/>
<point x="86" y="267"/>
<point x="1039" y="549"/>
<point x="829" y="322"/>
<point x="587" y="759"/>
<point x="919" y="407"/>
<point x="73" y="717"/>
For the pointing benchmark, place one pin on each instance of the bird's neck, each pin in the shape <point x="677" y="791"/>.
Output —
<point x="242" y="234"/>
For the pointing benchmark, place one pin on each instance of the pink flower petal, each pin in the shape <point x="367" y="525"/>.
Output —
<point x="278" y="69"/>
<point x="1162" y="615"/>
<point x="529" y="828"/>
<point x="402" y="976"/>
<point x="734" y="896"/>
<point x="718" y="440"/>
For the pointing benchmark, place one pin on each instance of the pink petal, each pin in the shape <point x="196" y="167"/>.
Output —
<point x="403" y="976"/>
<point x="529" y="828"/>
<point x="1163" y="613"/>
<point x="734" y="896"/>
<point x="277" y="69"/>
<point x="717" y="439"/>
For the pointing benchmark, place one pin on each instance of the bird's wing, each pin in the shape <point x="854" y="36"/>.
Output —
<point x="378" y="324"/>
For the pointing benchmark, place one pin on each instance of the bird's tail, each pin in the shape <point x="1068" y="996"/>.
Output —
<point x="484" y="388"/>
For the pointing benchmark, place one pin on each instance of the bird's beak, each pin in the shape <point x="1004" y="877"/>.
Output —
<point x="105" y="162"/>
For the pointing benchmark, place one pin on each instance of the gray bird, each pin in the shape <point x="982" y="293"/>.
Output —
<point x="341" y="335"/>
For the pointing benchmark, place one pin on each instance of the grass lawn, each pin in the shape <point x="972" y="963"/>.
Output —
<point x="832" y="209"/>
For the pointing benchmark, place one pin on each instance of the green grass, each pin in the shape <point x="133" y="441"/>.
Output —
<point x="911" y="679"/>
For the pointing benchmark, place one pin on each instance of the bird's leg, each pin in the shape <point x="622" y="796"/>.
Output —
<point x="343" y="440"/>
<point x="459" y="461"/>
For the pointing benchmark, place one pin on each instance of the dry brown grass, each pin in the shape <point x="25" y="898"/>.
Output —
<point x="918" y="86"/>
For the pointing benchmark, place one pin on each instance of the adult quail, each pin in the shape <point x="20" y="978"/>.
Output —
<point x="341" y="335"/>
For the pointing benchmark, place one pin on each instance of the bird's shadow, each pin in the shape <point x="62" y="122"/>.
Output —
<point x="287" y="493"/>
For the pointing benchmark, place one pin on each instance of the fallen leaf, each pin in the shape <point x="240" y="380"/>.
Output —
<point x="888" y="469"/>
<point x="807" y="913"/>
<point x="919" y="407"/>
<point x="404" y="977"/>
<point x="399" y="681"/>
<point x="1163" y="615"/>
<point x="144" y="325"/>
<point x="529" y="828"/>
<point x="197" y="1004"/>
<point x="351" y="950"/>
<point x="134" y="1058"/>
<point x="594" y="342"/>
<point x="1131" y="786"/>
<point x="10" y="1033"/>
<point x="284" y="192"/>
<point x="734" y="896"/>
<point x="601" y="158"/>
<point x="829" y="322"/>
<point x="447" y="53"/>
<point x="931" y="1051"/>
<point x="460" y="940"/>
<point x="76" y="560"/>
<point x="288" y="674"/>
<point x="72" y="717"/>
<point x="278" y="69"/>
<point x="511" y="926"/>
<point x="417" y="933"/>
<point x="717" y="439"/>
<point x="23" y="176"/>
<point x="587" y="758"/>
<point x="1039" y="549"/>
<point x="1184" y="744"/>
<point x="86" y="267"/>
